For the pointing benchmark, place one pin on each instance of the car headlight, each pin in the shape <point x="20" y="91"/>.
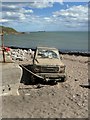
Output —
<point x="36" y="69"/>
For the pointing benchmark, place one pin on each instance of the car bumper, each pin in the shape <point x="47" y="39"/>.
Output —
<point x="52" y="75"/>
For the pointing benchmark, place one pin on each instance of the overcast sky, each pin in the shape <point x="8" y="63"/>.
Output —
<point x="47" y="15"/>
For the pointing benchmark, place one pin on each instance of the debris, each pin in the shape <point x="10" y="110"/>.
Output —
<point x="19" y="54"/>
<point x="76" y="79"/>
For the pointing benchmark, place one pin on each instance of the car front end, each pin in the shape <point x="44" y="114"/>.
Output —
<point x="48" y="65"/>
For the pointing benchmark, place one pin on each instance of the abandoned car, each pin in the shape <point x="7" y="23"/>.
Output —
<point x="47" y="64"/>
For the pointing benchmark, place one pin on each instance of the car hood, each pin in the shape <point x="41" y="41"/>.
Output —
<point x="49" y="62"/>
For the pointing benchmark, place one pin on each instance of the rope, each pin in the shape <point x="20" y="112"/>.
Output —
<point x="31" y="72"/>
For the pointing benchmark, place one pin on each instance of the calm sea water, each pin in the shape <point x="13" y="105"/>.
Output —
<point x="61" y="40"/>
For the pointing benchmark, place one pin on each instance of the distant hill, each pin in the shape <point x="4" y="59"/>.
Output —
<point x="8" y="30"/>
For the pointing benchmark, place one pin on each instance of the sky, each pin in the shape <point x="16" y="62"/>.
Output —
<point x="48" y="15"/>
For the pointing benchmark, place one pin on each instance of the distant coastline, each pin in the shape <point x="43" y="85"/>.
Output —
<point x="9" y="30"/>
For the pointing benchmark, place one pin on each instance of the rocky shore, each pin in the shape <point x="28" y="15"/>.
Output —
<point x="63" y="100"/>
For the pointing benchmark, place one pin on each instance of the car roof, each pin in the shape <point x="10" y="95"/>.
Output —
<point x="51" y="48"/>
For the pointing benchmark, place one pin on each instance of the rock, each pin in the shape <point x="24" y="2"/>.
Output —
<point x="79" y="104"/>
<point x="20" y="58"/>
<point x="74" y="96"/>
<point x="25" y="51"/>
<point x="76" y="79"/>
<point x="29" y="51"/>
<point x="39" y="86"/>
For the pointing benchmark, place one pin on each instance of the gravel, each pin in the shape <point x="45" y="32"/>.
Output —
<point x="63" y="100"/>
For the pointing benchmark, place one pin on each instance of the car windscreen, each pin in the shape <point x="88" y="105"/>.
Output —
<point x="47" y="54"/>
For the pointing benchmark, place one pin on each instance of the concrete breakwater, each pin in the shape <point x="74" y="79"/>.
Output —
<point x="11" y="76"/>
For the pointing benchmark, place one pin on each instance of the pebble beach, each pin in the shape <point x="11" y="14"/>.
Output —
<point x="63" y="100"/>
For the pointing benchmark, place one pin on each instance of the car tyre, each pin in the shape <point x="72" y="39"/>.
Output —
<point x="63" y="79"/>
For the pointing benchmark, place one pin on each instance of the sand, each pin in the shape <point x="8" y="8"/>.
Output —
<point x="63" y="100"/>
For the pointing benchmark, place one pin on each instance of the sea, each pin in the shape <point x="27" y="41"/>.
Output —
<point x="65" y="41"/>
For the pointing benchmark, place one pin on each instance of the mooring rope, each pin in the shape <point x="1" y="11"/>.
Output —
<point x="31" y="72"/>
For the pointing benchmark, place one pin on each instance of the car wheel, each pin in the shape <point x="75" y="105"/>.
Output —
<point x="52" y="82"/>
<point x="63" y="79"/>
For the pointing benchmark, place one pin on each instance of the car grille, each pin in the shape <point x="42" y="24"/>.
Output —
<point x="45" y="69"/>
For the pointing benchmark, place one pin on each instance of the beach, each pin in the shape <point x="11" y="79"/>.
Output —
<point x="52" y="82"/>
<point x="67" y="99"/>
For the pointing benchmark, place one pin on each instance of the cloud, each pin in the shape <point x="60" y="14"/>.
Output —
<point x="46" y="0"/>
<point x="3" y="20"/>
<point x="73" y="15"/>
<point x="46" y="18"/>
<point x="26" y="11"/>
<point x="9" y="7"/>
<point x="15" y="12"/>
<point x="34" y="4"/>
<point x="43" y="4"/>
<point x="11" y="16"/>
<point x="35" y="1"/>
<point x="23" y="14"/>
